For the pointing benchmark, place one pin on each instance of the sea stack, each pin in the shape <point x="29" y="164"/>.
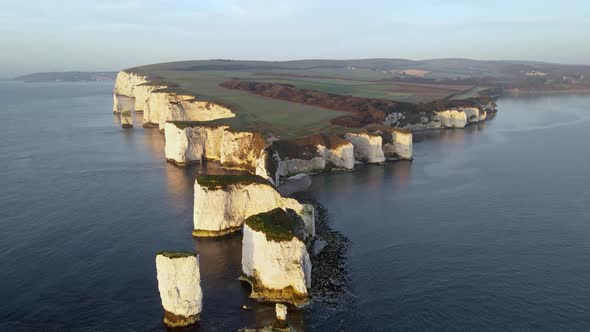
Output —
<point x="397" y="144"/>
<point x="453" y="118"/>
<point x="126" y="119"/>
<point x="275" y="260"/>
<point x="179" y="283"/>
<point x="223" y="202"/>
<point x="281" y="312"/>
<point x="367" y="147"/>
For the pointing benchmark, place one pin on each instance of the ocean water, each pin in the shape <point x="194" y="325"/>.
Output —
<point x="487" y="229"/>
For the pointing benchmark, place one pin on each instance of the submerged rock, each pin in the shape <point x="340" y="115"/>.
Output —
<point x="179" y="283"/>
<point x="275" y="261"/>
<point x="223" y="202"/>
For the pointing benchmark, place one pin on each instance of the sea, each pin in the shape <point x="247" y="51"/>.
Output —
<point x="488" y="228"/>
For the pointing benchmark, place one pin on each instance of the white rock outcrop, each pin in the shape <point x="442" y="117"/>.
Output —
<point x="179" y="107"/>
<point x="313" y="154"/>
<point x="471" y="113"/>
<point x="288" y="167"/>
<point x="397" y="144"/>
<point x="281" y="312"/>
<point x="126" y="82"/>
<point x="267" y="166"/>
<point x="340" y="156"/>
<point x="275" y="260"/>
<point x="117" y="108"/>
<point x="425" y="120"/>
<point x="126" y="119"/>
<point x="453" y="118"/>
<point x="367" y="147"/>
<point x="186" y="144"/>
<point x="223" y="202"/>
<point x="241" y="149"/>
<point x="179" y="283"/>
<point x="142" y="94"/>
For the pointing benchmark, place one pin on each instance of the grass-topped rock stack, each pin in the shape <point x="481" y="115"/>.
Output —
<point x="179" y="283"/>
<point x="275" y="260"/>
<point x="223" y="202"/>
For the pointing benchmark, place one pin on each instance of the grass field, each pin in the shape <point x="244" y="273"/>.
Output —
<point x="370" y="78"/>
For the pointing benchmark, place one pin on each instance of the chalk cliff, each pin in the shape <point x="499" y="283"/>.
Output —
<point x="179" y="283"/>
<point x="422" y="120"/>
<point x="160" y="103"/>
<point x="397" y="143"/>
<point x="126" y="82"/>
<point x="275" y="260"/>
<point x="312" y="154"/>
<point x="453" y="118"/>
<point x="223" y="202"/>
<point x="188" y="143"/>
<point x="367" y="147"/>
<point x="241" y="149"/>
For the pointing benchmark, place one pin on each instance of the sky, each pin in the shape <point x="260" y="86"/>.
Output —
<point x="96" y="35"/>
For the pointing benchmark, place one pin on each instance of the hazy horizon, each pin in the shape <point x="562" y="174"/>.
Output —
<point x="66" y="35"/>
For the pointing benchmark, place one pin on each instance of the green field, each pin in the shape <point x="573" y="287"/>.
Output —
<point x="370" y="78"/>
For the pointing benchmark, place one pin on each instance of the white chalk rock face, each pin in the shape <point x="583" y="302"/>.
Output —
<point x="453" y="118"/>
<point x="187" y="108"/>
<point x="126" y="82"/>
<point x="281" y="312"/>
<point x="223" y="202"/>
<point x="341" y="156"/>
<point x="267" y="166"/>
<point x="126" y="119"/>
<point x="398" y="145"/>
<point x="241" y="150"/>
<point x="483" y="115"/>
<point x="143" y="92"/>
<point x="179" y="283"/>
<point x="275" y="260"/>
<point x="156" y="105"/>
<point x="367" y="147"/>
<point x="425" y="120"/>
<point x="116" y="105"/>
<point x="313" y="154"/>
<point x="471" y="113"/>
<point x="188" y="144"/>
<point x="288" y="167"/>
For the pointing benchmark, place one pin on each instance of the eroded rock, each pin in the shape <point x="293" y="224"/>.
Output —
<point x="223" y="202"/>
<point x="367" y="147"/>
<point x="275" y="260"/>
<point x="179" y="283"/>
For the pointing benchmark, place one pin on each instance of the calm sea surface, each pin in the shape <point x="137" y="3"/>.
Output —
<point x="487" y="229"/>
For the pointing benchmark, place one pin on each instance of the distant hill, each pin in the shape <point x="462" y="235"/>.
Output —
<point x="68" y="76"/>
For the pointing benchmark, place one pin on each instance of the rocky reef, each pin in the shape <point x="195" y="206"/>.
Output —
<point x="223" y="202"/>
<point x="275" y="261"/>
<point x="179" y="283"/>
